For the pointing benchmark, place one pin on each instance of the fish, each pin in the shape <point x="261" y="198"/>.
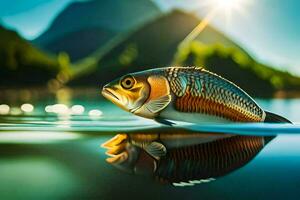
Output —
<point x="187" y="94"/>
<point x="180" y="158"/>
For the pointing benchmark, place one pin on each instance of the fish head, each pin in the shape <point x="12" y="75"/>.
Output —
<point x="128" y="92"/>
<point x="143" y="93"/>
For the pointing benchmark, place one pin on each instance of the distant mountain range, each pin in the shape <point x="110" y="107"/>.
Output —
<point x="156" y="43"/>
<point x="85" y="25"/>
<point x="23" y="64"/>
<point x="153" y="45"/>
<point x="109" y="38"/>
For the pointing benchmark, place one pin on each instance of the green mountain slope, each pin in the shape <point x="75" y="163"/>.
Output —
<point x="82" y="43"/>
<point x="21" y="63"/>
<point x="100" y="20"/>
<point x="152" y="45"/>
<point x="232" y="63"/>
<point x="156" y="44"/>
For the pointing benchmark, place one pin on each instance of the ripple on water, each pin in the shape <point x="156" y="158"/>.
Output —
<point x="132" y="123"/>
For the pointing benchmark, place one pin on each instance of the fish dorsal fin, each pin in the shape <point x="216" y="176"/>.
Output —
<point x="193" y="182"/>
<point x="198" y="68"/>
<point x="159" y="97"/>
<point x="156" y="149"/>
<point x="158" y="104"/>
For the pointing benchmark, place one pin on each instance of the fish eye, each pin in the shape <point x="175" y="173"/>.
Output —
<point x="127" y="82"/>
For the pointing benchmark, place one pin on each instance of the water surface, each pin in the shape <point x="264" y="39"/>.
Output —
<point x="58" y="156"/>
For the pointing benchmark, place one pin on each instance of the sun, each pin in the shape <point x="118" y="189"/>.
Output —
<point x="226" y="9"/>
<point x="229" y="6"/>
<point x="226" y="4"/>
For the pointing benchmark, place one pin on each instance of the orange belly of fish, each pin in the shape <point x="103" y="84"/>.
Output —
<point x="187" y="103"/>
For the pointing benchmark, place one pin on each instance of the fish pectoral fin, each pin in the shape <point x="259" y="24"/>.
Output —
<point x="156" y="149"/>
<point x="164" y="121"/>
<point x="193" y="182"/>
<point x="158" y="104"/>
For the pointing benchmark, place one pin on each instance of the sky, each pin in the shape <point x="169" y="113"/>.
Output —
<point x="268" y="29"/>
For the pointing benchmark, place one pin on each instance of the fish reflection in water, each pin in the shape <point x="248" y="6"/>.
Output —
<point x="182" y="158"/>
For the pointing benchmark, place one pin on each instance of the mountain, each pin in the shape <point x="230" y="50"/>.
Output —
<point x="79" y="44"/>
<point x="156" y="45"/>
<point x="84" y="26"/>
<point x="153" y="45"/>
<point x="23" y="64"/>
<point x="257" y="79"/>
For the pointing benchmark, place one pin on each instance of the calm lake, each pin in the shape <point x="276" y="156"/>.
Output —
<point x="60" y="147"/>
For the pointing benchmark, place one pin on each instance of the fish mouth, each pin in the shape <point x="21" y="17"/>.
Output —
<point x="109" y="94"/>
<point x="116" y="149"/>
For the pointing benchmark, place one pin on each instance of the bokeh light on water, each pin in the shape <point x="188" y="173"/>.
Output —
<point x="77" y="109"/>
<point x="27" y="108"/>
<point x="95" y="114"/>
<point x="4" y="109"/>
<point x="60" y="109"/>
<point x="48" y="109"/>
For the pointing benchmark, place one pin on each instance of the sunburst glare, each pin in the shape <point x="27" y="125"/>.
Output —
<point x="214" y="8"/>
<point x="229" y="8"/>
<point x="227" y="4"/>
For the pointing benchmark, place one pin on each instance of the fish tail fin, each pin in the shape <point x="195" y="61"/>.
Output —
<point x="274" y="118"/>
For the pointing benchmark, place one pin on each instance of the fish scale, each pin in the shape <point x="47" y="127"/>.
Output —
<point x="198" y="90"/>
